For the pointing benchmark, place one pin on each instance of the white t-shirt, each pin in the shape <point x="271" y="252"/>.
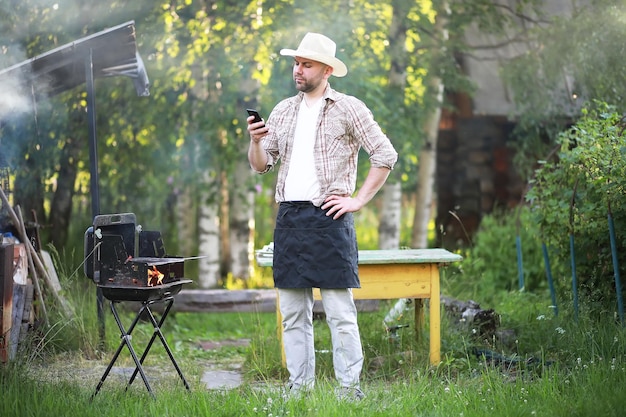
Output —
<point x="301" y="183"/>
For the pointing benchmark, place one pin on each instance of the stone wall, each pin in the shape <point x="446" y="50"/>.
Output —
<point x="475" y="174"/>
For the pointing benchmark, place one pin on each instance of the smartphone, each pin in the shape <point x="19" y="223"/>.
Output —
<point x="257" y="116"/>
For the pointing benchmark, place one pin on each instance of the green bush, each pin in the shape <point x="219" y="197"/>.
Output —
<point x="490" y="267"/>
<point x="571" y="196"/>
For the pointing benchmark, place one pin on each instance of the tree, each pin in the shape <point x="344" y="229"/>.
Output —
<point x="428" y="153"/>
<point x="573" y="61"/>
<point x="389" y="226"/>
<point x="176" y="158"/>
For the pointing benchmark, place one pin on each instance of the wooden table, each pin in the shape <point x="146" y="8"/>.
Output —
<point x="398" y="273"/>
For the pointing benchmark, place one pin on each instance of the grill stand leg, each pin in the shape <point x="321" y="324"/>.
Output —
<point x="126" y="341"/>
<point x="157" y="332"/>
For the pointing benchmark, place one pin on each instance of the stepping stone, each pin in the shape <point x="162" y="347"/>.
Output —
<point x="220" y="379"/>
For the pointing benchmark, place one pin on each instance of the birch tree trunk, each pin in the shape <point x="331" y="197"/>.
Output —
<point x="242" y="207"/>
<point x="390" y="215"/>
<point x="389" y="226"/>
<point x="425" y="180"/>
<point x="185" y="222"/>
<point x="208" y="238"/>
<point x="428" y="154"/>
<point x="241" y="221"/>
<point x="206" y="199"/>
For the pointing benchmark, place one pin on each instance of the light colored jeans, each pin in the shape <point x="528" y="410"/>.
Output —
<point x="296" y="307"/>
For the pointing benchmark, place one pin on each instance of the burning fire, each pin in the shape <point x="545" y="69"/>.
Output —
<point x="155" y="277"/>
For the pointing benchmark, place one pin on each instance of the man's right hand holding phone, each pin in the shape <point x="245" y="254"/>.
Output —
<point x="257" y="130"/>
<point x="256" y="126"/>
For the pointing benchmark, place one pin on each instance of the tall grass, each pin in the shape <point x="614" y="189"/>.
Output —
<point x="546" y="366"/>
<point x="584" y="388"/>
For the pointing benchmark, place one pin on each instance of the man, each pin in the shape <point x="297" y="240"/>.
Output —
<point x="318" y="134"/>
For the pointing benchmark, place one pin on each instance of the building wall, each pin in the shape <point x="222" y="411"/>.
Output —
<point x="475" y="175"/>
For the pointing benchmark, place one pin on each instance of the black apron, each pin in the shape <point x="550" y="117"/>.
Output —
<point x="312" y="250"/>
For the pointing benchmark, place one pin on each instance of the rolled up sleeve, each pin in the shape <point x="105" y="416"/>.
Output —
<point x="381" y="152"/>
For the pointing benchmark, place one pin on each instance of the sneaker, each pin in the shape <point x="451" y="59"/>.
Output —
<point x="349" y="394"/>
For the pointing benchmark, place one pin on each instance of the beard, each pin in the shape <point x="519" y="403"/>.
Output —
<point x="306" y="86"/>
<point x="311" y="83"/>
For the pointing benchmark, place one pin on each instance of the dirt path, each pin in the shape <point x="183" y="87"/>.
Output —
<point x="211" y="374"/>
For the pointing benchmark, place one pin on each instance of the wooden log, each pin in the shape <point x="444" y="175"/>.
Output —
<point x="6" y="288"/>
<point x="28" y="318"/>
<point x="20" y="264"/>
<point x="19" y="298"/>
<point x="241" y="301"/>
<point x="52" y="272"/>
<point x="22" y="233"/>
<point x="215" y="301"/>
<point x="19" y="223"/>
<point x="34" y="257"/>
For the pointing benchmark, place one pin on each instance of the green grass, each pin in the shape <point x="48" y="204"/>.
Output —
<point x="585" y="390"/>
<point x="578" y="368"/>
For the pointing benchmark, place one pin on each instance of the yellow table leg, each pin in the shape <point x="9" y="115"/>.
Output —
<point x="419" y="318"/>
<point x="435" y="317"/>
<point x="279" y="331"/>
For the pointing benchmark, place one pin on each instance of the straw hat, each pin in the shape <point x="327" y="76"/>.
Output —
<point x="318" y="48"/>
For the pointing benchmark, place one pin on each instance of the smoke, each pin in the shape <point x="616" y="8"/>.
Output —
<point x="14" y="100"/>
<point x="15" y="96"/>
<point x="68" y="16"/>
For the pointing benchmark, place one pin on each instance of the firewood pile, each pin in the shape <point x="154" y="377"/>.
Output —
<point x="27" y="282"/>
<point x="18" y="315"/>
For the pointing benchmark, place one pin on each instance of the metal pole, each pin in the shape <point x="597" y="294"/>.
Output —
<point x="618" y="281"/>
<point x="93" y="165"/>
<point x="520" y="263"/>
<point x="518" y="247"/>
<point x="574" y="279"/>
<point x="546" y="260"/>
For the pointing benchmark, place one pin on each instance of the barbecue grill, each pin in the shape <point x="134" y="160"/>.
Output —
<point x="129" y="264"/>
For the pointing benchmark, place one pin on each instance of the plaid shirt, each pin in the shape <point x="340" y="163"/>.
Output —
<point x="345" y="125"/>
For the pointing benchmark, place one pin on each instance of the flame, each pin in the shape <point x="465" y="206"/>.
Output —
<point x="155" y="277"/>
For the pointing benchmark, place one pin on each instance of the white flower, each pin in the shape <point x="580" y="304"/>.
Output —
<point x="541" y="317"/>
<point x="560" y="330"/>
